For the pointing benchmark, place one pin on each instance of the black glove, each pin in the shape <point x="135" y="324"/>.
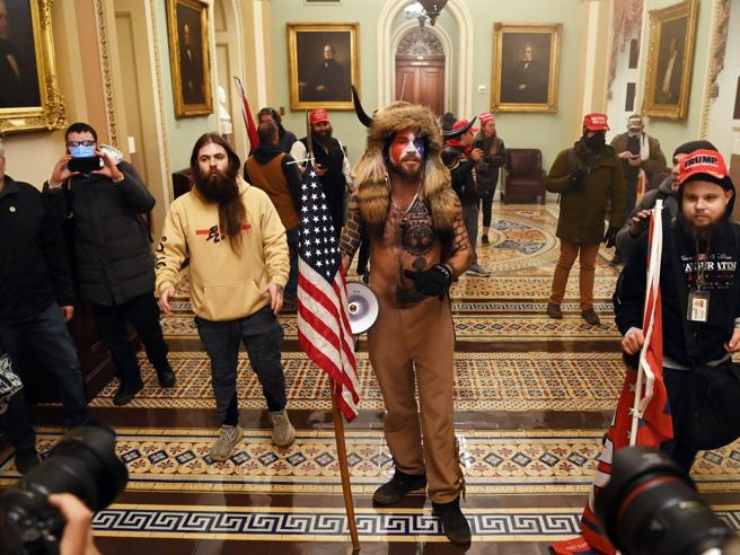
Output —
<point x="433" y="282"/>
<point x="576" y="178"/>
<point x="610" y="237"/>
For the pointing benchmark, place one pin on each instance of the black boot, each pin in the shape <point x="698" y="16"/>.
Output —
<point x="454" y="523"/>
<point x="165" y="375"/>
<point x="126" y="392"/>
<point x="400" y="485"/>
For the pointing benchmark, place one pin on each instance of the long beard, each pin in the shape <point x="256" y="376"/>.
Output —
<point x="217" y="187"/>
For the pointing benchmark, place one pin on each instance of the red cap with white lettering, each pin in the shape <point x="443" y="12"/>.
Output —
<point x="704" y="164"/>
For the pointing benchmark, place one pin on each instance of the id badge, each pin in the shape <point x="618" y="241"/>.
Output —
<point x="698" y="306"/>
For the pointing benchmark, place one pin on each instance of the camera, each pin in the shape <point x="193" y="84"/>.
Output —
<point x="651" y="507"/>
<point x="85" y="165"/>
<point x="83" y="464"/>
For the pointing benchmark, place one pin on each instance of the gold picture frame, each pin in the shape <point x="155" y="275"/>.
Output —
<point x="35" y="101"/>
<point x="318" y="79"/>
<point x="672" y="40"/>
<point x="520" y="81"/>
<point x="190" y="62"/>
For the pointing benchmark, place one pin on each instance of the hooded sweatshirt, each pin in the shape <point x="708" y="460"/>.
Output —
<point x="224" y="285"/>
<point x="686" y="344"/>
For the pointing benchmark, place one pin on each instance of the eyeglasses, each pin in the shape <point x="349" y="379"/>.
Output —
<point x="74" y="144"/>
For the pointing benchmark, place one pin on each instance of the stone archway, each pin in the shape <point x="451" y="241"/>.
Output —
<point x="464" y="53"/>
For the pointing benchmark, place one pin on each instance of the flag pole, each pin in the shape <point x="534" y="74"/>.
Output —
<point x="349" y="506"/>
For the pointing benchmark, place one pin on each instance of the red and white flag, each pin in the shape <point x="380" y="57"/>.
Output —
<point x="324" y="332"/>
<point x="642" y="416"/>
<point x="254" y="141"/>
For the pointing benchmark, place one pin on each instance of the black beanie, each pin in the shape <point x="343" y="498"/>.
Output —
<point x="691" y="146"/>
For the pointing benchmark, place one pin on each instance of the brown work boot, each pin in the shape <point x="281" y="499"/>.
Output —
<point x="553" y="311"/>
<point x="591" y="317"/>
<point x="283" y="432"/>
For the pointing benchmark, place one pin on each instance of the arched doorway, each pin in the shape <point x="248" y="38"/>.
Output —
<point x="421" y="69"/>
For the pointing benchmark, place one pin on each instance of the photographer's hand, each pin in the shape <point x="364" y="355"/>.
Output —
<point x="77" y="538"/>
<point x="61" y="173"/>
<point x="110" y="169"/>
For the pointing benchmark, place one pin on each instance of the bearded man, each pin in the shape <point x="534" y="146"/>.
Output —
<point x="239" y="266"/>
<point x="418" y="247"/>
<point x="332" y="165"/>
<point x="700" y="292"/>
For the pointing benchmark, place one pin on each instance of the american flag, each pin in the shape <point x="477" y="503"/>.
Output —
<point x="254" y="141"/>
<point x="643" y="420"/>
<point x="324" y="332"/>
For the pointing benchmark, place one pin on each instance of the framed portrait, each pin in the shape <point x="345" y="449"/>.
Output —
<point x="187" y="21"/>
<point x="322" y="65"/>
<point x="670" y="60"/>
<point x="526" y="67"/>
<point x="29" y="92"/>
<point x="736" y="113"/>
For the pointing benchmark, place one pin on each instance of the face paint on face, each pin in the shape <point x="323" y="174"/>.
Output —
<point x="406" y="152"/>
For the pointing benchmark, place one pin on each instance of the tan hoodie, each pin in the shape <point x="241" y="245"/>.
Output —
<point x="224" y="285"/>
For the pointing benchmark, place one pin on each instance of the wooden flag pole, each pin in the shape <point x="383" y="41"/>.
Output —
<point x="349" y="505"/>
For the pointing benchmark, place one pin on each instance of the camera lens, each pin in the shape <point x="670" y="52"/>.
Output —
<point x="650" y="507"/>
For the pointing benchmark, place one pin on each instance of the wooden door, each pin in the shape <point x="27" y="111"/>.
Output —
<point x="421" y="80"/>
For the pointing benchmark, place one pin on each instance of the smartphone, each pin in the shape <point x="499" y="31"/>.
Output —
<point x="85" y="165"/>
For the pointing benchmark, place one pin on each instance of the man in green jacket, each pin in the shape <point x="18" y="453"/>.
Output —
<point x="589" y="178"/>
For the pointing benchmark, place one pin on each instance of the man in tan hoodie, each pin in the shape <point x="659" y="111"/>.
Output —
<point x="238" y="254"/>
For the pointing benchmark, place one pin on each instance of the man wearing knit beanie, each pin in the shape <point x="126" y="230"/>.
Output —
<point x="636" y="223"/>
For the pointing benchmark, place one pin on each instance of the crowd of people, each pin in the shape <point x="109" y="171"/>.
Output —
<point x="411" y="207"/>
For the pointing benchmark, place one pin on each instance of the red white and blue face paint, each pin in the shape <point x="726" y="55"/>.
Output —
<point x="406" y="144"/>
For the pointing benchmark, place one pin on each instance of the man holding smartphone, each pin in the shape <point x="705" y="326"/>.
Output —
<point x="641" y="158"/>
<point x="112" y="253"/>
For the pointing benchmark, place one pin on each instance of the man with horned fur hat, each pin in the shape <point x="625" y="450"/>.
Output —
<point x="418" y="247"/>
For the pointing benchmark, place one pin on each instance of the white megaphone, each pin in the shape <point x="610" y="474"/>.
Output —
<point x="362" y="305"/>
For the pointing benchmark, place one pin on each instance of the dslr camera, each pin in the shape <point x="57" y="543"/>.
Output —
<point x="651" y="507"/>
<point x="83" y="464"/>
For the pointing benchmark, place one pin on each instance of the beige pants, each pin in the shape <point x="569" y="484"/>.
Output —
<point x="411" y="346"/>
<point x="568" y="253"/>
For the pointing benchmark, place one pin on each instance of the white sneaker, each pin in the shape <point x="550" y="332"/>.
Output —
<point x="478" y="270"/>
<point x="283" y="432"/>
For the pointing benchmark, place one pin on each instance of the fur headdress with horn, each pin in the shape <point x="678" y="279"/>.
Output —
<point x="371" y="172"/>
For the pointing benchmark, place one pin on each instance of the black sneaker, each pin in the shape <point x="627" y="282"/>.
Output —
<point x="454" y="523"/>
<point x="399" y="486"/>
<point x="165" y="375"/>
<point x="26" y="459"/>
<point x="126" y="393"/>
<point x="484" y="240"/>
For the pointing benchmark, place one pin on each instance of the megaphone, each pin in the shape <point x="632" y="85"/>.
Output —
<point x="362" y="305"/>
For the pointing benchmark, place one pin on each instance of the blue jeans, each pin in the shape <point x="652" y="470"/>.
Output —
<point x="263" y="338"/>
<point x="292" y="287"/>
<point x="47" y="334"/>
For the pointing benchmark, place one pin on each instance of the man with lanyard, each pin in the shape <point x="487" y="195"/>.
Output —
<point x="700" y="296"/>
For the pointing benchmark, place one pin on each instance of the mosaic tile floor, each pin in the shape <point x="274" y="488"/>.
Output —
<point x="532" y="396"/>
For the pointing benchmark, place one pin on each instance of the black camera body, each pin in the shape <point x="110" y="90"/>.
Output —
<point x="651" y="507"/>
<point x="85" y="165"/>
<point x="85" y="465"/>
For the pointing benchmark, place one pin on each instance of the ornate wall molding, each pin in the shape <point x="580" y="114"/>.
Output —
<point x="626" y="19"/>
<point x="716" y="62"/>
<point x="420" y="41"/>
<point x="162" y="135"/>
<point x="104" y="50"/>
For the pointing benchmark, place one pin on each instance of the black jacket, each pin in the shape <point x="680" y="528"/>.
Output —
<point x="285" y="139"/>
<point x="688" y="343"/>
<point x="34" y="271"/>
<point x="463" y="177"/>
<point x="112" y="252"/>
<point x="494" y="156"/>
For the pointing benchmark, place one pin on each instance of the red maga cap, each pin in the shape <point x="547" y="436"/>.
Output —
<point x="319" y="116"/>
<point x="703" y="162"/>
<point x="595" y="122"/>
<point x="485" y="117"/>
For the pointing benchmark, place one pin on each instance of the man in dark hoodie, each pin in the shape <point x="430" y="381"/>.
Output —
<point x="700" y="301"/>
<point x="628" y="237"/>
<point x="275" y="172"/>
<point x="285" y="138"/>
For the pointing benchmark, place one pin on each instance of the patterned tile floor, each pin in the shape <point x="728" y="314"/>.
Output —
<point x="532" y="397"/>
